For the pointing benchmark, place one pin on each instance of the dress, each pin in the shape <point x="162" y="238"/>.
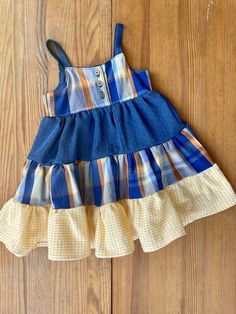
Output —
<point x="112" y="162"/>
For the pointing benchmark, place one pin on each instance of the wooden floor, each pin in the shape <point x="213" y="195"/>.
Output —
<point x="189" y="47"/>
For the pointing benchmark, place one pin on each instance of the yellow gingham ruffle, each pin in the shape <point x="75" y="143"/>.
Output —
<point x="111" y="229"/>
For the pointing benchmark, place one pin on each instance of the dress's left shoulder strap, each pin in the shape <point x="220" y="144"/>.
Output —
<point x="118" y="38"/>
<point x="58" y="53"/>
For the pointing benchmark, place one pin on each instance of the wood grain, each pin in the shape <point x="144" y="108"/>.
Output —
<point x="189" y="47"/>
<point x="34" y="284"/>
<point x="190" y="50"/>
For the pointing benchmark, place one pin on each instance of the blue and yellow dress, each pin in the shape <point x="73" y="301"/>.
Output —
<point x="112" y="162"/>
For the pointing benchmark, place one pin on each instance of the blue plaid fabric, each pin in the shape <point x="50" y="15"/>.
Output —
<point x="114" y="177"/>
<point x="84" y="88"/>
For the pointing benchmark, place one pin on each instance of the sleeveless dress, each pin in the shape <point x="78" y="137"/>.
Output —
<point x="112" y="162"/>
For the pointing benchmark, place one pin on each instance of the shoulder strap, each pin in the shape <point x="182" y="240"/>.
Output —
<point x="118" y="38"/>
<point x="58" y="53"/>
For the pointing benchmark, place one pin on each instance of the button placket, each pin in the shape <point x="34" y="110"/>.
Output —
<point x="99" y="82"/>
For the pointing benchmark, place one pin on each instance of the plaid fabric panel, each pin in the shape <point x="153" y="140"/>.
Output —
<point x="123" y="79"/>
<point x="102" y="181"/>
<point x="34" y="186"/>
<point x="82" y="90"/>
<point x="192" y="150"/>
<point x="149" y="172"/>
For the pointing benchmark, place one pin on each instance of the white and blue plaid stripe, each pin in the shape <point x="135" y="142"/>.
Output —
<point x="105" y="180"/>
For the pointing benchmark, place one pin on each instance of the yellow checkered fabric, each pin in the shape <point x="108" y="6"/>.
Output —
<point x="111" y="229"/>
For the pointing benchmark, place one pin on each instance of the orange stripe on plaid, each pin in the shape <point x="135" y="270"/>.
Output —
<point x="101" y="175"/>
<point x="69" y="186"/>
<point x="85" y="88"/>
<point x="198" y="146"/>
<point x="125" y="175"/>
<point x="139" y="168"/>
<point x="131" y="80"/>
<point x="81" y="177"/>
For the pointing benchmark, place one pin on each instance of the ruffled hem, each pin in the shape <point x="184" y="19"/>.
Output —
<point x="111" y="229"/>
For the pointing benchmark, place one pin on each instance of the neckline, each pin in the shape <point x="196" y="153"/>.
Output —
<point x="58" y="91"/>
<point x="121" y="54"/>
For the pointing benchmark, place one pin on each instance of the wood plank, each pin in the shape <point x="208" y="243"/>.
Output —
<point x="190" y="55"/>
<point x="189" y="48"/>
<point x="33" y="284"/>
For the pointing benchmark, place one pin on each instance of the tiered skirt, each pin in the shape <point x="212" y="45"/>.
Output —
<point x="74" y="203"/>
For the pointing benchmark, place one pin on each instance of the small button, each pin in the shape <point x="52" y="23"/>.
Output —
<point x="97" y="72"/>
<point x="102" y="94"/>
<point x="99" y="83"/>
